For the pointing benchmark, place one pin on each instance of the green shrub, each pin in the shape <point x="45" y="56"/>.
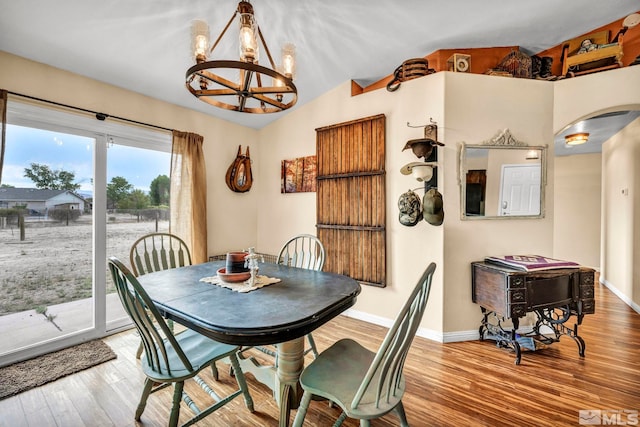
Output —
<point x="12" y="214"/>
<point x="63" y="215"/>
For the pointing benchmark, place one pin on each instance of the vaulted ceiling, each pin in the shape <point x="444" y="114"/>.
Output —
<point x="144" y="45"/>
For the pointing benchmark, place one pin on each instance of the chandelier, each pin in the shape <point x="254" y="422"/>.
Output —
<point x="241" y="85"/>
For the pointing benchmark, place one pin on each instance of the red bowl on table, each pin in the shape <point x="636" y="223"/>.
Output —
<point x="233" y="277"/>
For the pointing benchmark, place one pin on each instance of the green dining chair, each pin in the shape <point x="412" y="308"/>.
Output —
<point x="173" y="359"/>
<point x="301" y="251"/>
<point x="304" y="251"/>
<point x="155" y="252"/>
<point x="367" y="385"/>
<point x="158" y="251"/>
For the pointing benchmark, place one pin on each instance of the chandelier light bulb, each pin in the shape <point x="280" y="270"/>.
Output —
<point x="289" y="60"/>
<point x="248" y="38"/>
<point x="199" y="40"/>
<point x="201" y="46"/>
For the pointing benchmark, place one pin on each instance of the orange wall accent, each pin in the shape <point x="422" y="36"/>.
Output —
<point x="483" y="59"/>
<point x="630" y="45"/>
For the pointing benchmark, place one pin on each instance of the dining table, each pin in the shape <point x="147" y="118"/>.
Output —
<point x="280" y="314"/>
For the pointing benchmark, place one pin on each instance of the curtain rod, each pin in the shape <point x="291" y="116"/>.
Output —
<point x="100" y="116"/>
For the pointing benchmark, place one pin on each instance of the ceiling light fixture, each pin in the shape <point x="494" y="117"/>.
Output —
<point x="241" y="85"/>
<point x="532" y="155"/>
<point x="576" y="138"/>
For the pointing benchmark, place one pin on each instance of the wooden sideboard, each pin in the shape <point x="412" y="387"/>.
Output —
<point x="554" y="295"/>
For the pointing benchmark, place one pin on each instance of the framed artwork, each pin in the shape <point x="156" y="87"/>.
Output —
<point x="298" y="175"/>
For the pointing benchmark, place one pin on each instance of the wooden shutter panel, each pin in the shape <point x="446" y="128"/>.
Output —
<point x="351" y="198"/>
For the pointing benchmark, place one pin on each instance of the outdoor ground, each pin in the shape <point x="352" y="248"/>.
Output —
<point x="54" y="263"/>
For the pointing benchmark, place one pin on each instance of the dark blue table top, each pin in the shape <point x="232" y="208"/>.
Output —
<point x="302" y="301"/>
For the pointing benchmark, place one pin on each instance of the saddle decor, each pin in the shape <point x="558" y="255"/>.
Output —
<point x="239" y="177"/>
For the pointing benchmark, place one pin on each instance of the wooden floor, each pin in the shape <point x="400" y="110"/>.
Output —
<point x="457" y="384"/>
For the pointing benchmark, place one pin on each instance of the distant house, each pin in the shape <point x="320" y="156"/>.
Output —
<point x="40" y="201"/>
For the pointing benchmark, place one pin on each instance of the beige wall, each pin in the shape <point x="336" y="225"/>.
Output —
<point x="621" y="212"/>
<point x="467" y="108"/>
<point x="409" y="249"/>
<point x="587" y="96"/>
<point x="578" y="190"/>
<point x="477" y="108"/>
<point x="231" y="227"/>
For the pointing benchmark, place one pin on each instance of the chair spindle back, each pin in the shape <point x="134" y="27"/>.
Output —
<point x="385" y="373"/>
<point x="144" y="314"/>
<point x="158" y="251"/>
<point x="303" y="251"/>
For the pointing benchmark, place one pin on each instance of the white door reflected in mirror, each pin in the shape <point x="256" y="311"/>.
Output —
<point x="520" y="190"/>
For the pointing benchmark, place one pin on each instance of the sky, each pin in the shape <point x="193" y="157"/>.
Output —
<point x="74" y="153"/>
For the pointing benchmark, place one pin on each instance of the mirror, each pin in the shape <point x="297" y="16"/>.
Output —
<point x="502" y="178"/>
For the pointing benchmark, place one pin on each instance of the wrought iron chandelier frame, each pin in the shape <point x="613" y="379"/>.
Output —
<point x="234" y="96"/>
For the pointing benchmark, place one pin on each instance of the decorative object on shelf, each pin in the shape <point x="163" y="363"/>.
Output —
<point x="459" y="63"/>
<point x="298" y="175"/>
<point x="576" y="138"/>
<point x="628" y="22"/>
<point x="541" y="68"/>
<point x="517" y="64"/>
<point x="241" y="85"/>
<point x="591" y="53"/>
<point x="239" y="177"/>
<point x="433" y="207"/>
<point x="409" y="70"/>
<point x="410" y="208"/>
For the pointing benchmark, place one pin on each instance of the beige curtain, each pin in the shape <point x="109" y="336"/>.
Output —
<point x="189" y="193"/>
<point x="3" y="125"/>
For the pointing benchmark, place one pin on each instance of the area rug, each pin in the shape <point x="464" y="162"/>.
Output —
<point x="23" y="376"/>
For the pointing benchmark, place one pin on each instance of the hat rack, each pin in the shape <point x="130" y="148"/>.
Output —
<point x="431" y="159"/>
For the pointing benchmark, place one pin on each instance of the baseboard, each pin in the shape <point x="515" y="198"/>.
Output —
<point x="429" y="334"/>
<point x="635" y="307"/>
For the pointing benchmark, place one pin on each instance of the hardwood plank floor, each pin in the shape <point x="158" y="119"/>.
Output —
<point x="469" y="383"/>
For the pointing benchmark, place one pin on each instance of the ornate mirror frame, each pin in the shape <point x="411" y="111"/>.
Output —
<point x="502" y="141"/>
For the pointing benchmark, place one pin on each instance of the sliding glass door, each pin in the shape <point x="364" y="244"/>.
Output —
<point x="137" y="204"/>
<point x="74" y="191"/>
<point x="46" y="235"/>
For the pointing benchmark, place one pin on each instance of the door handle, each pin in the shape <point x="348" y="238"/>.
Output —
<point x="504" y="205"/>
